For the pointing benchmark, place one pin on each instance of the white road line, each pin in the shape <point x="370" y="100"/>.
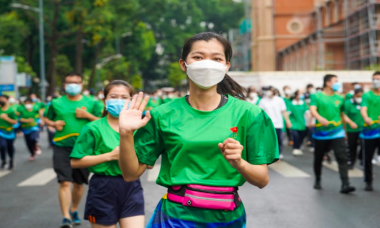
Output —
<point x="153" y="173"/>
<point x="351" y="173"/>
<point x="287" y="170"/>
<point x="39" y="179"/>
<point x="4" y="173"/>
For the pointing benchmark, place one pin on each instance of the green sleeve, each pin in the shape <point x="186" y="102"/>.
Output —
<point x="50" y="113"/>
<point x="85" y="144"/>
<point x="365" y="100"/>
<point x="97" y="109"/>
<point x="342" y="107"/>
<point x="313" y="100"/>
<point x="13" y="115"/>
<point x="262" y="146"/>
<point x="148" y="142"/>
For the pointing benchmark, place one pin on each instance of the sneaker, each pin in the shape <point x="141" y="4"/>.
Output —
<point x="66" y="223"/>
<point x="295" y="152"/>
<point x="311" y="149"/>
<point x="347" y="189"/>
<point x="31" y="158"/>
<point x="374" y="161"/>
<point x="38" y="151"/>
<point x="368" y="187"/>
<point x="75" y="218"/>
<point x="3" y="163"/>
<point x="317" y="185"/>
<point x="281" y="156"/>
<point x="10" y="167"/>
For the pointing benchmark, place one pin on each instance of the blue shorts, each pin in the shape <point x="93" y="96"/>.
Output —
<point x="110" y="199"/>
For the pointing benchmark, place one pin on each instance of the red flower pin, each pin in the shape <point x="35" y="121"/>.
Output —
<point x="234" y="129"/>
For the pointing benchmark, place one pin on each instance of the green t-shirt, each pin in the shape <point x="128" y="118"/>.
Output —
<point x="26" y="114"/>
<point x="372" y="102"/>
<point x="153" y="103"/>
<point x="15" y="108"/>
<point x="6" y="128"/>
<point x="352" y="110"/>
<point x="330" y="108"/>
<point x="101" y="105"/>
<point x="64" y="109"/>
<point x="98" y="138"/>
<point x="188" y="141"/>
<point x="297" y="111"/>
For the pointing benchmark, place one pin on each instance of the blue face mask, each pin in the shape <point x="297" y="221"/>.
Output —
<point x="302" y="97"/>
<point x="357" y="87"/>
<point x="114" y="106"/>
<point x="336" y="87"/>
<point x="34" y="100"/>
<point x="73" y="89"/>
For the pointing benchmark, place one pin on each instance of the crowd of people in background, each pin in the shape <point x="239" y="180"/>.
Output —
<point x="320" y="120"/>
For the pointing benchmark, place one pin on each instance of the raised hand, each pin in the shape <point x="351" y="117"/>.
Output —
<point x="130" y="118"/>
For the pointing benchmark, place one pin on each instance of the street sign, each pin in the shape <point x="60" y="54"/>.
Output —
<point x="7" y="88"/>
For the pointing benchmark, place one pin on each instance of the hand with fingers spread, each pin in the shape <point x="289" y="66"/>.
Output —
<point x="130" y="118"/>
<point x="232" y="150"/>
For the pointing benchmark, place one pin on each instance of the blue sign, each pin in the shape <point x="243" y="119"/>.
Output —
<point x="7" y="58"/>
<point x="245" y="26"/>
<point x="7" y="87"/>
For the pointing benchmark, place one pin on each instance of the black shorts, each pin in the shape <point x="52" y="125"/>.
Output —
<point x="110" y="199"/>
<point x="62" y="167"/>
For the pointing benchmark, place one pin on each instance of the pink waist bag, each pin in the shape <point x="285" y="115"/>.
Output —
<point x="207" y="197"/>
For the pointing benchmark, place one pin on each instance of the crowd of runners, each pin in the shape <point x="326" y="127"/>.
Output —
<point x="227" y="135"/>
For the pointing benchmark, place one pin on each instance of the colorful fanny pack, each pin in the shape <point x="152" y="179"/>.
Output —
<point x="207" y="197"/>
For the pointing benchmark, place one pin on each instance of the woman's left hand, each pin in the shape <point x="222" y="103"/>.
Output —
<point x="231" y="150"/>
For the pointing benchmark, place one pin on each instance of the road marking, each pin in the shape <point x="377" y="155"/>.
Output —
<point x="4" y="173"/>
<point x="287" y="170"/>
<point x="351" y="173"/>
<point x="39" y="179"/>
<point x="153" y="173"/>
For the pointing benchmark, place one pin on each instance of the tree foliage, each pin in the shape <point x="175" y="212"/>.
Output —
<point x="78" y="34"/>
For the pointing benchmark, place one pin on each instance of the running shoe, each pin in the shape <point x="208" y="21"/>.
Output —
<point x="374" y="161"/>
<point x="368" y="187"/>
<point x="10" y="167"/>
<point x="66" y="223"/>
<point x="75" y="218"/>
<point x="38" y="151"/>
<point x="31" y="158"/>
<point x="347" y="189"/>
<point x="281" y="156"/>
<point x="3" y="163"/>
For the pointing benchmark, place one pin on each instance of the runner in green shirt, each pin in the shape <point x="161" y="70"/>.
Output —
<point x="8" y="118"/>
<point x="154" y="102"/>
<point x="97" y="149"/>
<point x="29" y="116"/>
<point x="297" y="109"/>
<point x="327" y="107"/>
<point x="352" y="108"/>
<point x="207" y="140"/>
<point x="370" y="112"/>
<point x="68" y="115"/>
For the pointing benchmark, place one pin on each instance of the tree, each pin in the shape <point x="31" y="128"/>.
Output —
<point x="24" y="67"/>
<point x="176" y="76"/>
<point x="12" y="34"/>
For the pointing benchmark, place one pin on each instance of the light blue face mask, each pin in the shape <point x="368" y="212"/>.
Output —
<point x="73" y="89"/>
<point x="336" y="87"/>
<point x="114" y="106"/>
<point x="357" y="86"/>
<point x="302" y="96"/>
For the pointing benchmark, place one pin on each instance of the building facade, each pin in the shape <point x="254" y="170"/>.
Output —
<point x="302" y="35"/>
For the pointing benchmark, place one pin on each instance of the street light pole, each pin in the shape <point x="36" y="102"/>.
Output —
<point x="39" y="10"/>
<point x="42" y="52"/>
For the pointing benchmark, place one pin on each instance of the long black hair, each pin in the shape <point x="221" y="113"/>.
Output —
<point x="227" y="85"/>
<point x="112" y="84"/>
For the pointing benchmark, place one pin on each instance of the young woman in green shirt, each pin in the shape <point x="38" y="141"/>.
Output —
<point x="110" y="199"/>
<point x="297" y="109"/>
<point x="8" y="118"/>
<point x="211" y="142"/>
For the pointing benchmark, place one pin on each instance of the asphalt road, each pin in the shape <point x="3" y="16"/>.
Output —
<point x="28" y="196"/>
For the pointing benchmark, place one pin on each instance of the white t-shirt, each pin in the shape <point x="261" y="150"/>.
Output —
<point x="274" y="107"/>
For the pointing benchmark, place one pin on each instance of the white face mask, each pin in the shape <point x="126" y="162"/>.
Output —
<point x="269" y="93"/>
<point x="29" y="106"/>
<point x="101" y="96"/>
<point x="376" y="84"/>
<point x="206" y="73"/>
<point x="86" y="93"/>
<point x="253" y="95"/>
<point x="358" y="100"/>
<point x="288" y="92"/>
<point x="312" y="90"/>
